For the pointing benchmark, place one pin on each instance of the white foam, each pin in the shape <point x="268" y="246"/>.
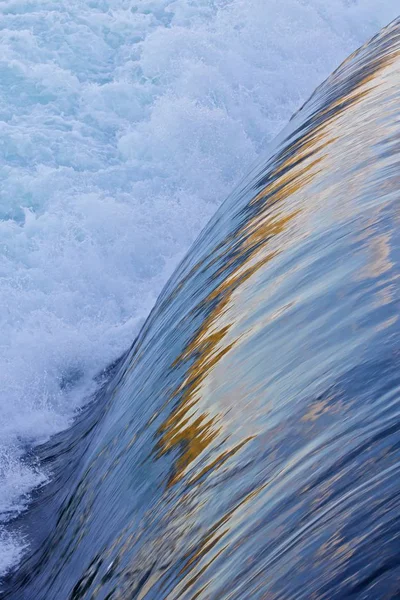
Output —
<point x="122" y="125"/>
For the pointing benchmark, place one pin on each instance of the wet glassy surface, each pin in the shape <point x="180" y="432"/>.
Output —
<point x="248" y="445"/>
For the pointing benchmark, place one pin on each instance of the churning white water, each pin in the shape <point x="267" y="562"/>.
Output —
<point x="123" y="123"/>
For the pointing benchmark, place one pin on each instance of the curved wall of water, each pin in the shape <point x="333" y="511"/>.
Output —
<point x="248" y="444"/>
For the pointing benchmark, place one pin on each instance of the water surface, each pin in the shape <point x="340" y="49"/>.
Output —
<point x="247" y="445"/>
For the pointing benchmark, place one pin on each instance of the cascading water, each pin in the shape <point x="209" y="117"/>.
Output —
<point x="247" y="445"/>
<point x="122" y="126"/>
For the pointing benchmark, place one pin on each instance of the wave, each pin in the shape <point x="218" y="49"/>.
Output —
<point x="122" y="128"/>
<point x="247" y="445"/>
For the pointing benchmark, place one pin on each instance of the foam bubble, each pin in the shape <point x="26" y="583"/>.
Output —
<point x="121" y="128"/>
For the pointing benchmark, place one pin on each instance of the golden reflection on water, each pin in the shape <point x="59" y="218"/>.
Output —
<point x="317" y="180"/>
<point x="292" y="184"/>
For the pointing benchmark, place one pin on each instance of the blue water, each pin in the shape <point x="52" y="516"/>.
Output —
<point x="247" y="445"/>
<point x="122" y="127"/>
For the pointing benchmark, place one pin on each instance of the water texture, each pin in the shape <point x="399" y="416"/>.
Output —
<point x="247" y="445"/>
<point x="122" y="126"/>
